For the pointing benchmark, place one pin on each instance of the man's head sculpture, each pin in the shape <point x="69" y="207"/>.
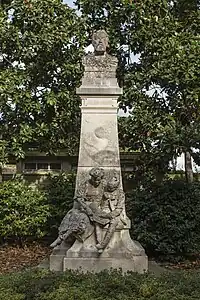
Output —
<point x="100" y="42"/>
<point x="97" y="175"/>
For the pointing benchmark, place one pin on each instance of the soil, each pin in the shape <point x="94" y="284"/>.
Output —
<point x="15" y="258"/>
<point x="186" y="265"/>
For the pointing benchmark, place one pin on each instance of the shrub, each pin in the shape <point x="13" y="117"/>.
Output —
<point x="23" y="212"/>
<point x="166" y="218"/>
<point x="45" y="285"/>
<point x="60" y="194"/>
<point x="6" y="294"/>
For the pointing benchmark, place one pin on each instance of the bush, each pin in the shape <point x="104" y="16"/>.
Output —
<point x="166" y="218"/>
<point x="23" y="212"/>
<point x="60" y="194"/>
<point x="45" y="285"/>
<point x="29" y="212"/>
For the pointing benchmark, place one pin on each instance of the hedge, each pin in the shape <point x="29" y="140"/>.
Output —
<point x="23" y="211"/>
<point x="59" y="196"/>
<point x="45" y="285"/>
<point x="165" y="218"/>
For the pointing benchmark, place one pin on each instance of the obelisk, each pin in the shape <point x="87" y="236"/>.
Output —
<point x="105" y="242"/>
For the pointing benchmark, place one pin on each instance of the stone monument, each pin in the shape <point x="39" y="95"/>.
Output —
<point x="94" y="235"/>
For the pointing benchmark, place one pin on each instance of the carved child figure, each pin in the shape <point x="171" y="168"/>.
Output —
<point x="92" y="190"/>
<point x="77" y="222"/>
<point x="113" y="201"/>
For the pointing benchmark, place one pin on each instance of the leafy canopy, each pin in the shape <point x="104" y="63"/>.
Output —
<point x="41" y="48"/>
<point x="161" y="86"/>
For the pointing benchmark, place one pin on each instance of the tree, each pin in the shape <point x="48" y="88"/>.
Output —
<point x="41" y="46"/>
<point x="161" y="88"/>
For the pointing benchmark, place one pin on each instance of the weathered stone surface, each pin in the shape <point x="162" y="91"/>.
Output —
<point x="138" y="264"/>
<point x="98" y="222"/>
<point x="99" y="90"/>
<point x="57" y="256"/>
<point x="98" y="147"/>
<point x="100" y="69"/>
<point x="121" y="253"/>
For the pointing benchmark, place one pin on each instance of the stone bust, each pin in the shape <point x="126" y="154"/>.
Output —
<point x="100" y="42"/>
<point x="100" y="66"/>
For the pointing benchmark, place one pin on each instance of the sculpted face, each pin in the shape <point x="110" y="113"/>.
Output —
<point x="113" y="184"/>
<point x="100" y="42"/>
<point x="97" y="175"/>
<point x="95" y="181"/>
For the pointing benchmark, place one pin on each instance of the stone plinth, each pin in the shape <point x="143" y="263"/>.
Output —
<point x="98" y="220"/>
<point x="121" y="253"/>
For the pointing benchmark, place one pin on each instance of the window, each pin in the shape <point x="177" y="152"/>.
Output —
<point x="42" y="166"/>
<point x="30" y="166"/>
<point x="55" y="166"/>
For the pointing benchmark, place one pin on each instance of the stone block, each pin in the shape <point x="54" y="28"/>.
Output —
<point x="137" y="264"/>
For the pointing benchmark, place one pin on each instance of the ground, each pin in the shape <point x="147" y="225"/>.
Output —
<point x="24" y="275"/>
<point x="14" y="258"/>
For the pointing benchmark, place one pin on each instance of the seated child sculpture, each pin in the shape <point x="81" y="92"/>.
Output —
<point x="90" y="214"/>
<point x="113" y="201"/>
<point x="77" y="223"/>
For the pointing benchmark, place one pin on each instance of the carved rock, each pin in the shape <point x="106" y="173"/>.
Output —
<point x="98" y="224"/>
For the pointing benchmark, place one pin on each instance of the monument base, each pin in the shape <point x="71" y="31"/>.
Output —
<point x="122" y="253"/>
<point x="57" y="257"/>
<point x="138" y="264"/>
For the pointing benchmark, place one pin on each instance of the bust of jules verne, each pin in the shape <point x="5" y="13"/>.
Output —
<point x="100" y="42"/>
<point x="100" y="61"/>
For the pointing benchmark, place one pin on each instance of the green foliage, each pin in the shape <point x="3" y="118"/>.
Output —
<point x="60" y="194"/>
<point x="161" y="86"/>
<point x="23" y="212"/>
<point x="3" y="153"/>
<point x="6" y="294"/>
<point x="166" y="218"/>
<point x="29" y="212"/>
<point x="44" y="285"/>
<point x="41" y="43"/>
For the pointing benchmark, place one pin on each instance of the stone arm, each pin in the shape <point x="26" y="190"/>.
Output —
<point x="119" y="206"/>
<point x="81" y="190"/>
<point x="80" y="196"/>
<point x="86" y="208"/>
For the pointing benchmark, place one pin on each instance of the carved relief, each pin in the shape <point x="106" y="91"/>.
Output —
<point x="99" y="203"/>
<point x="96" y="145"/>
<point x="95" y="142"/>
<point x="77" y="221"/>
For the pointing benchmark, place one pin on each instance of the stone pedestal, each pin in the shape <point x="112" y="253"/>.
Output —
<point x="57" y="256"/>
<point x="121" y="253"/>
<point x="99" y="148"/>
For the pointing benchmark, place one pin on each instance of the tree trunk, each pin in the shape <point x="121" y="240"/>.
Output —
<point x="1" y="174"/>
<point x="188" y="167"/>
<point x="159" y="177"/>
